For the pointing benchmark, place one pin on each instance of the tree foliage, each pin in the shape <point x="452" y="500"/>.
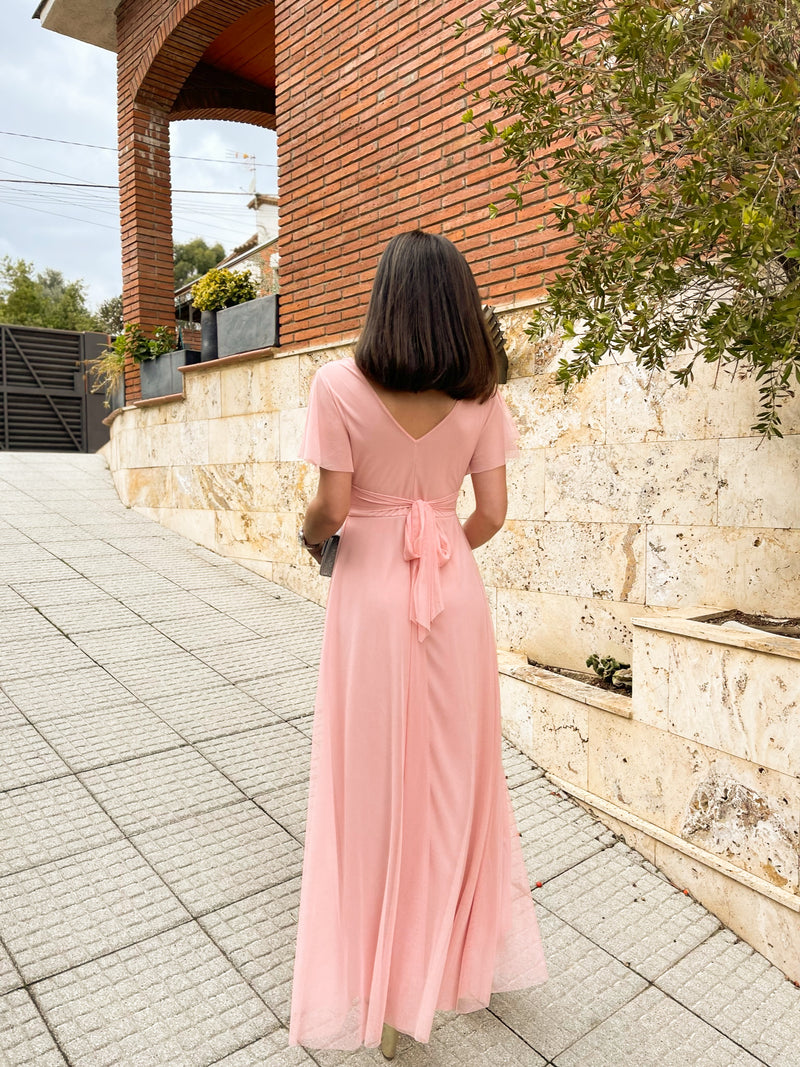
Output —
<point x="42" y="299"/>
<point x="109" y="315"/>
<point x="666" y="135"/>
<point x="195" y="258"/>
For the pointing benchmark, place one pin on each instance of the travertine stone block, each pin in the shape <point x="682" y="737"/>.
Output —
<point x="145" y="486"/>
<point x="203" y="393"/>
<point x="747" y="497"/>
<point x="726" y="805"/>
<point x="271" y="536"/>
<point x="648" y="406"/>
<point x="526" y="480"/>
<point x="310" y="362"/>
<point x="755" y="570"/>
<point x="563" y="630"/>
<point x="527" y="357"/>
<point x="292" y="424"/>
<point x="766" y="924"/>
<point x="671" y="482"/>
<point x="260" y="385"/>
<point x="558" y="735"/>
<point x="741" y="702"/>
<point x="243" y="438"/>
<point x="282" y="486"/>
<point x="224" y="486"/>
<point x="545" y="415"/>
<point x="571" y="558"/>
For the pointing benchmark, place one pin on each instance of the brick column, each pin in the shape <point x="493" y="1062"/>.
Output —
<point x="146" y="217"/>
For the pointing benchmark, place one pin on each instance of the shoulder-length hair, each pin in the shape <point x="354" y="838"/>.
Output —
<point x="425" y="327"/>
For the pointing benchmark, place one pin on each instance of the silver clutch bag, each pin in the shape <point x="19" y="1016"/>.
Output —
<point x="329" y="549"/>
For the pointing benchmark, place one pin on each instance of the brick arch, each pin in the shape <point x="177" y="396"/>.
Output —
<point x="177" y="46"/>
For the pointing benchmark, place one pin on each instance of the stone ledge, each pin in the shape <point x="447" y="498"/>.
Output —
<point x="516" y="666"/>
<point x="227" y="361"/>
<point x="116" y="412"/>
<point x="154" y="401"/>
<point x="772" y="644"/>
<point x="600" y="806"/>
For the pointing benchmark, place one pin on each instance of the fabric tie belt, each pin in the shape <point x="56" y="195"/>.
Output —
<point x="425" y="546"/>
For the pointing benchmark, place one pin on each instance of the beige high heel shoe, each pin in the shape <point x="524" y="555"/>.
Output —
<point x="388" y="1041"/>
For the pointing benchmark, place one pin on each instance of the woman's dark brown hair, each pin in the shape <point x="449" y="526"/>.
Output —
<point x="425" y="327"/>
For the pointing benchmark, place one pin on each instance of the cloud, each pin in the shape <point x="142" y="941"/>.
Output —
<point x="55" y="87"/>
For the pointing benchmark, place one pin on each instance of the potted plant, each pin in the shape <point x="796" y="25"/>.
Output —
<point x="233" y="318"/>
<point x="159" y="359"/>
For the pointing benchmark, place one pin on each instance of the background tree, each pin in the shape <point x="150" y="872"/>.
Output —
<point x="667" y="135"/>
<point x="42" y="299"/>
<point x="109" y="315"/>
<point x="195" y="258"/>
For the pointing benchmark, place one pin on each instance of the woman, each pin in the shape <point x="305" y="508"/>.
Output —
<point x="414" y="896"/>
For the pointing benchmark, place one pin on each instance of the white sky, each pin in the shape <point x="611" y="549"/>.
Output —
<point x="54" y="87"/>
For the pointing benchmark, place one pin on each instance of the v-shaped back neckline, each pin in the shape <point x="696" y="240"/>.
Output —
<point x="388" y="413"/>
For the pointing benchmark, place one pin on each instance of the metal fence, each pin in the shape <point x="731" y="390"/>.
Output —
<point x="46" y="400"/>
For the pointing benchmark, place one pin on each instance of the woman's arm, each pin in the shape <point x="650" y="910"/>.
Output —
<point x="491" y="503"/>
<point x="329" y="508"/>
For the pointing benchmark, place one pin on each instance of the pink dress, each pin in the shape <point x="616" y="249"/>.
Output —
<point x="414" y="894"/>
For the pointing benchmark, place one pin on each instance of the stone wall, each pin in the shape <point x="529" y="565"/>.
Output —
<point x="630" y="497"/>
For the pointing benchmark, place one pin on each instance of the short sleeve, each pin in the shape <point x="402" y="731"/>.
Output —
<point x="326" y="441"/>
<point x="498" y="440"/>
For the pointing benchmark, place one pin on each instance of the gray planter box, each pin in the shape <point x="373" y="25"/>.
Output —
<point x="248" y="327"/>
<point x="161" y="377"/>
<point x="116" y="396"/>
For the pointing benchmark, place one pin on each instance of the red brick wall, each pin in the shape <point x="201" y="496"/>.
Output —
<point x="371" y="142"/>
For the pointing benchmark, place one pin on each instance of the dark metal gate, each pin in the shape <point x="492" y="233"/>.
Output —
<point x="46" y="402"/>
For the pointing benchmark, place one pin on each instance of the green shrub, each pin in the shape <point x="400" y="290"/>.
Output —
<point x="222" y="288"/>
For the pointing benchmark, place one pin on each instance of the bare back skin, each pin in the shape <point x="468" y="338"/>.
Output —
<point x="416" y="413"/>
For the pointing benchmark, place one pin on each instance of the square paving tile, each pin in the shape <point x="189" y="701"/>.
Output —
<point x="9" y="976"/>
<point x="256" y="658"/>
<point x="238" y="599"/>
<point x="258" y="936"/>
<point x="180" y="672"/>
<point x="585" y="986"/>
<point x="215" y="712"/>
<point x="107" y="735"/>
<point x="626" y="906"/>
<point x="288" y="807"/>
<point x="199" y="631"/>
<point x="172" y="1000"/>
<point x="173" y="605"/>
<point x="88" y="616"/>
<point x="25" y="1040"/>
<point x="52" y="696"/>
<point x="10" y="600"/>
<point x="141" y="794"/>
<point x="64" y="913"/>
<point x="261" y="760"/>
<point x="10" y="715"/>
<point x="652" y="1030"/>
<point x="290" y="694"/>
<point x="49" y="821"/>
<point x="119" y="644"/>
<point x="734" y="988"/>
<point x="26" y="758"/>
<point x="27" y="625"/>
<point x="41" y="655"/>
<point x="519" y="769"/>
<point x="42" y="570"/>
<point x="221" y="856"/>
<point x="556" y="832"/>
<point x="273" y="1050"/>
<point x="121" y="587"/>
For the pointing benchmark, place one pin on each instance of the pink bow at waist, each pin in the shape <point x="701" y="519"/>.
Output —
<point x="425" y="546"/>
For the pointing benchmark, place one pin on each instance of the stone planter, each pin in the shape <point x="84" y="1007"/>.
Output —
<point x="248" y="327"/>
<point x="115" y="398"/>
<point x="161" y="377"/>
<point x="208" y="335"/>
<point x="699" y="770"/>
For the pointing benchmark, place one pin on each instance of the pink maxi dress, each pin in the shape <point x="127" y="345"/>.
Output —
<point x="414" y="894"/>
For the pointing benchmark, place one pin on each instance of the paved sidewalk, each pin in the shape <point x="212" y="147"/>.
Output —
<point x="155" y="720"/>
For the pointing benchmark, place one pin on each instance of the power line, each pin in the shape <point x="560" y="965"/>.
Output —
<point x="94" y="185"/>
<point x="108" y="148"/>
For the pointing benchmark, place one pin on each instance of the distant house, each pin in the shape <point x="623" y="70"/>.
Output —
<point x="258" y="254"/>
